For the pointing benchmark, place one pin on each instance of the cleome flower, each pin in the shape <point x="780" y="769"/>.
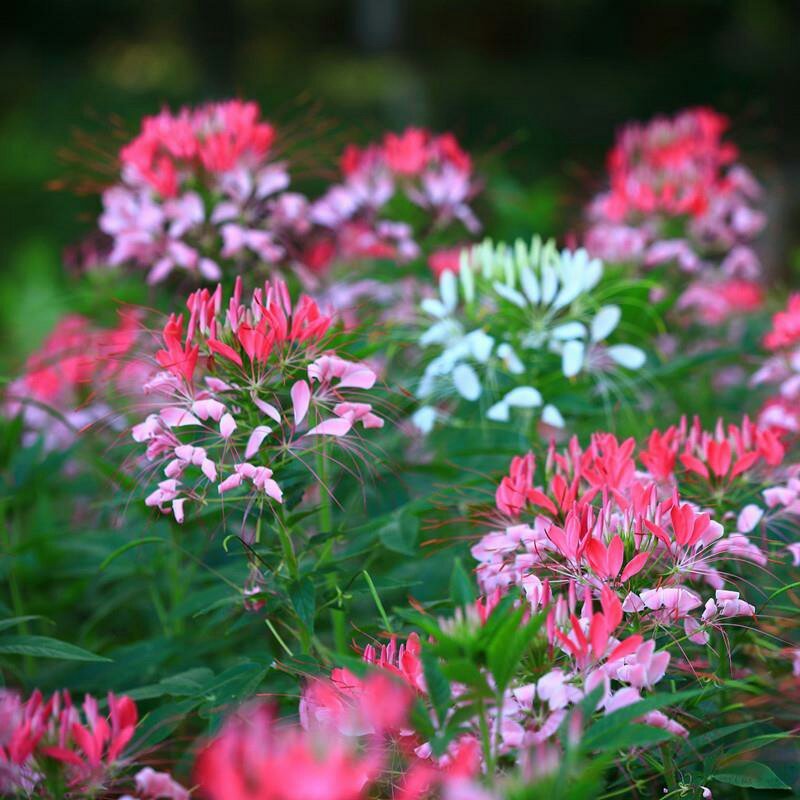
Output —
<point x="678" y="196"/>
<point x="203" y="191"/>
<point x="603" y="524"/>
<point x="196" y="187"/>
<point x="255" y="758"/>
<point x="246" y="394"/>
<point x="510" y="319"/>
<point x="69" y="382"/>
<point x="87" y="749"/>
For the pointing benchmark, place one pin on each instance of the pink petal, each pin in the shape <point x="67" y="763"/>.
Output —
<point x="634" y="566"/>
<point x="256" y="438"/>
<point x="331" y="427"/>
<point x="227" y="425"/>
<point x="358" y="377"/>
<point x="267" y="409"/>
<point x="174" y="417"/>
<point x="177" y="509"/>
<point x="301" y="397"/>
<point x="231" y="482"/>
<point x="272" y="489"/>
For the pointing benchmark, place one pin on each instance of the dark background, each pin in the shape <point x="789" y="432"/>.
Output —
<point x="535" y="89"/>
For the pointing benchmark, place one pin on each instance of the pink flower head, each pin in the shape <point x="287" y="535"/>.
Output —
<point x="89" y="750"/>
<point x="152" y="785"/>
<point x="232" y="368"/>
<point x="512" y="493"/>
<point x="253" y="758"/>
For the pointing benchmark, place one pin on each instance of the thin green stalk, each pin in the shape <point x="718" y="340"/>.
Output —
<point x="669" y="768"/>
<point x="17" y="602"/>
<point x="288" y="549"/>
<point x="325" y="510"/>
<point x="378" y="603"/>
<point x="486" y="738"/>
<point x="279" y="639"/>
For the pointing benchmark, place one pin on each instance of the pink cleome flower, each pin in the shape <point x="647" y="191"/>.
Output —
<point x="246" y="391"/>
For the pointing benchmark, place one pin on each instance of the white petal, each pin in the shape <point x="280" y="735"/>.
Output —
<point x="593" y="273"/>
<point x="480" y="345"/>
<point x="498" y="412"/>
<point x="510" y="359"/>
<point x="466" y="382"/>
<point x="512" y="295"/>
<point x="569" y="330"/>
<point x="523" y="397"/>
<point x="441" y="332"/>
<point x="552" y="416"/>
<point x="508" y="267"/>
<point x="572" y="357"/>
<point x="572" y="287"/>
<point x="424" y="418"/>
<point x="448" y="289"/>
<point x="530" y="285"/>
<point x="549" y="284"/>
<point x="434" y="307"/>
<point x="628" y="356"/>
<point x="605" y="322"/>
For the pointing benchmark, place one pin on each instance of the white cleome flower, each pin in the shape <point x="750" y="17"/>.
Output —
<point x="508" y="316"/>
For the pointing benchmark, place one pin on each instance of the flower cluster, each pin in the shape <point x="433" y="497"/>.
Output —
<point x="65" y="386"/>
<point x="255" y="758"/>
<point x="678" y="195"/>
<point x="433" y="172"/>
<point x="576" y="657"/>
<point x="203" y="191"/>
<point x="40" y="737"/>
<point x="196" y="186"/>
<point x="513" y="319"/>
<point x="247" y="391"/>
<point x="601" y="521"/>
<point x="782" y="370"/>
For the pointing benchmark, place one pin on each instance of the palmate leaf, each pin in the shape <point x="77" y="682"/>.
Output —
<point x="46" y="647"/>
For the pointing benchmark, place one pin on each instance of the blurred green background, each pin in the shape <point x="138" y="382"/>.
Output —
<point x="536" y="89"/>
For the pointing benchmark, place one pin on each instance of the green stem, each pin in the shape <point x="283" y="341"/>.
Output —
<point x="378" y="603"/>
<point x="325" y="510"/>
<point x="486" y="738"/>
<point x="288" y="548"/>
<point x="669" y="768"/>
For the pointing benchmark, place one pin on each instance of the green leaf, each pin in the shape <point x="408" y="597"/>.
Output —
<point x="45" y="647"/>
<point x="632" y="735"/>
<point x="508" y="646"/>
<point x="462" y="591"/>
<point x="438" y="685"/>
<point x="399" y="534"/>
<point x="12" y="622"/>
<point x="130" y="546"/>
<point x="719" y="733"/>
<point x="750" y="774"/>
<point x="596" y="734"/>
<point x="303" y="596"/>
<point x="462" y="670"/>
